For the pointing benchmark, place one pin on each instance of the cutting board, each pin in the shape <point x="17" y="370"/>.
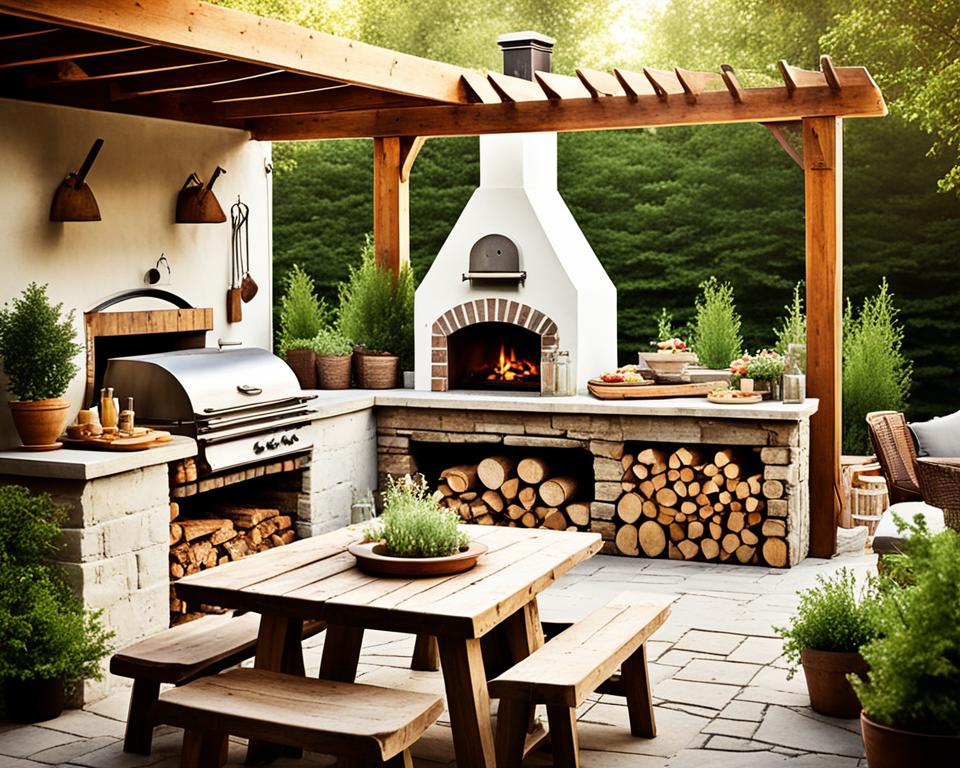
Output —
<point x="148" y="439"/>
<point x="655" y="390"/>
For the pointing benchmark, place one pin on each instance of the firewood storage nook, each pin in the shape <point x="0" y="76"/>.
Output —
<point x="692" y="482"/>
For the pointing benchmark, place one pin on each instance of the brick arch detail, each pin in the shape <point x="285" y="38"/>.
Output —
<point x="483" y="311"/>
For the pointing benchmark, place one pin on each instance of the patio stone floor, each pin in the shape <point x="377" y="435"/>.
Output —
<point x="719" y="683"/>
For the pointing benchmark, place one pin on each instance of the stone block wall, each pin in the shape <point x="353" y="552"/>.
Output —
<point x="781" y="447"/>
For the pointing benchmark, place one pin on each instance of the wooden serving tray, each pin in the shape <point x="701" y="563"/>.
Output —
<point x="149" y="439"/>
<point x="602" y="383"/>
<point x="656" y="390"/>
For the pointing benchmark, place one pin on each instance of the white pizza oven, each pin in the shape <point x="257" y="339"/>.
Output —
<point x="516" y="277"/>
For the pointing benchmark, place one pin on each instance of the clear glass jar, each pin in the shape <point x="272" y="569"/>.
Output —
<point x="548" y="371"/>
<point x="566" y="386"/>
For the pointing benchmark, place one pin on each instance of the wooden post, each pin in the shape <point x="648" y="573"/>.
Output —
<point x="823" y="184"/>
<point x="392" y="160"/>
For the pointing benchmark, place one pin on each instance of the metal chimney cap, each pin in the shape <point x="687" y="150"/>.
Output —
<point x="522" y="39"/>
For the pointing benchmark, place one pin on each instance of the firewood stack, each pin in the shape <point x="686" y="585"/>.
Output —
<point x="694" y="506"/>
<point x="200" y="543"/>
<point x="502" y="491"/>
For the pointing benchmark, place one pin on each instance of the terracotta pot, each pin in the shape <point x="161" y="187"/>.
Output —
<point x="32" y="701"/>
<point x="303" y="362"/>
<point x="826" y="673"/>
<point x="39" y="422"/>
<point x="333" y="371"/>
<point x="892" y="748"/>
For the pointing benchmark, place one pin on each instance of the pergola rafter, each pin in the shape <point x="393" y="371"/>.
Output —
<point x="189" y="61"/>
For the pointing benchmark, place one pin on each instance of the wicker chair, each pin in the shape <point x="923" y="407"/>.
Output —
<point x="940" y="485"/>
<point x="893" y="445"/>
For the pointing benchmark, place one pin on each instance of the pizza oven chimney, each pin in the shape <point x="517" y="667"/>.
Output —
<point x="525" y="53"/>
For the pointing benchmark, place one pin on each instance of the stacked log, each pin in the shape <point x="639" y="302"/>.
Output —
<point x="502" y="491"/>
<point x="687" y="505"/>
<point x="200" y="543"/>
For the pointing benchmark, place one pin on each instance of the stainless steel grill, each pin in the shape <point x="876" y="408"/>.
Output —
<point x="241" y="405"/>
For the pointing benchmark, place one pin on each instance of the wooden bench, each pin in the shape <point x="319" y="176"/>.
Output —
<point x="575" y="663"/>
<point x="177" y="656"/>
<point x="363" y="723"/>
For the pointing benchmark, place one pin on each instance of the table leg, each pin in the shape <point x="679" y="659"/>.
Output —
<point x="425" y="654"/>
<point x="279" y="649"/>
<point x="341" y="653"/>
<point x="468" y="702"/>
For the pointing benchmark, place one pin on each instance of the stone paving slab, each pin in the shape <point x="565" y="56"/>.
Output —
<point x="718" y="676"/>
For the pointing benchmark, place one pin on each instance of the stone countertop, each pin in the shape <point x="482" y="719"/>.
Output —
<point x="333" y="403"/>
<point x="80" y="464"/>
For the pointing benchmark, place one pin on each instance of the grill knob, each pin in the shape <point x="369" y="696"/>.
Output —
<point x="272" y="443"/>
<point x="294" y="438"/>
<point x="258" y="447"/>
<point x="287" y="439"/>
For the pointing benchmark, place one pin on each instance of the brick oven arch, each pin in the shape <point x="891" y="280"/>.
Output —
<point x="483" y="311"/>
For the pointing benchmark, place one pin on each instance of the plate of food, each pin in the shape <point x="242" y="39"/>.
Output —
<point x="626" y="376"/>
<point x="734" y="397"/>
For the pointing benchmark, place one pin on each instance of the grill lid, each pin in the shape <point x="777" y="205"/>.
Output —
<point x="202" y="383"/>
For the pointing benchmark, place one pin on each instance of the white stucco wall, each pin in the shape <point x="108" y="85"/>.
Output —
<point x="135" y="179"/>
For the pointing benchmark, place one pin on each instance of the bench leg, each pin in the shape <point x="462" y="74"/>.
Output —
<point x="635" y="677"/>
<point x="563" y="736"/>
<point x="513" y="720"/>
<point x="203" y="749"/>
<point x="138" y="736"/>
<point x="401" y="760"/>
<point x="426" y="656"/>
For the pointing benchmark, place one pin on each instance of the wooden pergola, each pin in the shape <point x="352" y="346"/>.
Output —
<point x="190" y="61"/>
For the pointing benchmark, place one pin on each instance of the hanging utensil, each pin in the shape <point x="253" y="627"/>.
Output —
<point x="196" y="203"/>
<point x="74" y="200"/>
<point x="248" y="286"/>
<point x="234" y="303"/>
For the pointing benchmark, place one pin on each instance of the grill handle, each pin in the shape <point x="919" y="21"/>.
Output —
<point x="249" y="389"/>
<point x="298" y="398"/>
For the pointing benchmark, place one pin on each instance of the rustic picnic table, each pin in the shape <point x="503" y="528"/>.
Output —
<point x="484" y="620"/>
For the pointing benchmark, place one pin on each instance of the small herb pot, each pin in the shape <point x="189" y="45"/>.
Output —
<point x="36" y="700"/>
<point x="888" y="747"/>
<point x="333" y="371"/>
<point x="826" y="673"/>
<point x="303" y="362"/>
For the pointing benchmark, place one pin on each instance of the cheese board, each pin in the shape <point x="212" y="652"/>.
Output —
<point x="149" y="438"/>
<point x="636" y="390"/>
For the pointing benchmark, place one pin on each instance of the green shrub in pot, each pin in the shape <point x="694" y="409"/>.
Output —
<point x="38" y="346"/>
<point x="911" y="697"/>
<point x="330" y="342"/>
<point x="302" y="316"/>
<point x="834" y="620"/>
<point x="334" y="352"/>
<point x="715" y="331"/>
<point x="48" y="641"/>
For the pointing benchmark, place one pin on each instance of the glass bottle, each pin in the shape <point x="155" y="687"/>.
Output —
<point x="564" y="377"/>
<point x="548" y="371"/>
<point x="108" y="408"/>
<point x="794" y="380"/>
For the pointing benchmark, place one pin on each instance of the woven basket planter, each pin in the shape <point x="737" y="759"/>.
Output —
<point x="376" y="371"/>
<point x="303" y="362"/>
<point x="333" y="372"/>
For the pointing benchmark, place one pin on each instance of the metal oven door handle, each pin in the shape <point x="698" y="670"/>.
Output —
<point x="264" y="404"/>
<point x="249" y="389"/>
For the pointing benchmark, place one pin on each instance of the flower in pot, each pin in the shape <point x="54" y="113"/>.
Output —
<point x="38" y="346"/>
<point x="671" y="359"/>
<point x="911" y="696"/>
<point x="415" y="536"/>
<point x="761" y="373"/>
<point x="48" y="641"/>
<point x="834" y="620"/>
<point x="334" y="353"/>
<point x="302" y="316"/>
<point x="376" y="312"/>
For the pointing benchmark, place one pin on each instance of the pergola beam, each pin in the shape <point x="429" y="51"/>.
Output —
<point x="219" y="31"/>
<point x="613" y="112"/>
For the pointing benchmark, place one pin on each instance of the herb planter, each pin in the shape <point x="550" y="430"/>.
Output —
<point x="39" y="422"/>
<point x="376" y="371"/>
<point x="303" y="362"/>
<point x="826" y="673"/>
<point x="333" y="371"/>
<point x="374" y="559"/>
<point x="36" y="700"/>
<point x="888" y="747"/>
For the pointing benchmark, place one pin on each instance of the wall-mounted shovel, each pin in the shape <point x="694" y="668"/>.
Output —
<point x="74" y="200"/>
<point x="196" y="203"/>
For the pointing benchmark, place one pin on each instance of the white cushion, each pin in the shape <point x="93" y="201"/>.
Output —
<point x="938" y="437"/>
<point x="888" y="537"/>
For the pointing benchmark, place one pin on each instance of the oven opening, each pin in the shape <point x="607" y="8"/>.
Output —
<point x="498" y="356"/>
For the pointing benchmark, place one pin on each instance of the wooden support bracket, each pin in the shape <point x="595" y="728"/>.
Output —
<point x="410" y="147"/>
<point x="780" y="131"/>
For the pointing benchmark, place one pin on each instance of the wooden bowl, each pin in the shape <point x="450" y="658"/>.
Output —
<point x="668" y="364"/>
<point x="373" y="559"/>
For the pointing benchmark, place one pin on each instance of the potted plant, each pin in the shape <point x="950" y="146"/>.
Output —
<point x="302" y="315"/>
<point x="38" y="346"/>
<point x="761" y="373"/>
<point x="833" y="621"/>
<point x="334" y="353"/>
<point x="911" y="696"/>
<point x="48" y="642"/>
<point x="376" y="312"/>
<point x="415" y="536"/>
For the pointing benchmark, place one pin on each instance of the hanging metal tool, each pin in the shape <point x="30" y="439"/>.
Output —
<point x="248" y="286"/>
<point x="238" y="223"/>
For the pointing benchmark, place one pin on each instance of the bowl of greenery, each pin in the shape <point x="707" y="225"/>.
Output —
<point x="302" y="316"/>
<point x="38" y="346"/>
<point x="48" y="641"/>
<point x="334" y="353"/>
<point x="834" y="620"/>
<point x="911" y="695"/>
<point x="414" y="536"/>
